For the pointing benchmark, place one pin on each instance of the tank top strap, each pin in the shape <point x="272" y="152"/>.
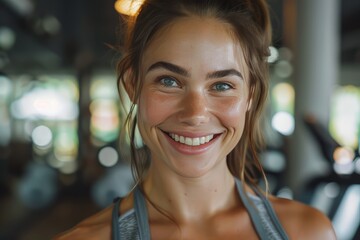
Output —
<point x="141" y="215"/>
<point x="115" y="230"/>
<point x="254" y="214"/>
<point x="273" y="217"/>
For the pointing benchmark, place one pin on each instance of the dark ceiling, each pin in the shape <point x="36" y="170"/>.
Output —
<point x="88" y="27"/>
<point x="350" y="31"/>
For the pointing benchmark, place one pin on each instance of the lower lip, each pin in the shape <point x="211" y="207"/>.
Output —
<point x="190" y="150"/>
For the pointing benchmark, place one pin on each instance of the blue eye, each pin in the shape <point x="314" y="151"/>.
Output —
<point x="168" y="82"/>
<point x="220" y="87"/>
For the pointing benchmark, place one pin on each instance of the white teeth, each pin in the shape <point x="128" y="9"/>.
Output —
<point x="188" y="141"/>
<point x="196" y="141"/>
<point x="191" y="141"/>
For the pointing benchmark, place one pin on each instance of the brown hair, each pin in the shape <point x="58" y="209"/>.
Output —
<point x="250" y="24"/>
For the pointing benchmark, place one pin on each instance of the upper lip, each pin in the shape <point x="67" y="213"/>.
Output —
<point x="191" y="134"/>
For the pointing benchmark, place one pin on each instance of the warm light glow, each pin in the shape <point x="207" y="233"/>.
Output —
<point x="343" y="155"/>
<point x="343" y="158"/>
<point x="128" y="7"/>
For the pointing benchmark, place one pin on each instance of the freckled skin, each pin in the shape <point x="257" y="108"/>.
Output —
<point x="195" y="107"/>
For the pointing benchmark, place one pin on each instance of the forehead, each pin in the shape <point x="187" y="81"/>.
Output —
<point x="208" y="40"/>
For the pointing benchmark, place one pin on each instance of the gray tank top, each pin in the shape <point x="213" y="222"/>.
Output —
<point x="134" y="223"/>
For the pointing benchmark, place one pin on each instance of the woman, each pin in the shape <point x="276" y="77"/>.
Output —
<point x="197" y="73"/>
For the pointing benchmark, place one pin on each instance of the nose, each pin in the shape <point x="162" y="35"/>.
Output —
<point x="194" y="109"/>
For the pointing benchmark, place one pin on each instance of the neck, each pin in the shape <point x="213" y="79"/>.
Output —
<point x="190" y="199"/>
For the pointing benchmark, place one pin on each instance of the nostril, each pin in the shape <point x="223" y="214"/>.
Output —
<point x="194" y="109"/>
<point x="194" y="119"/>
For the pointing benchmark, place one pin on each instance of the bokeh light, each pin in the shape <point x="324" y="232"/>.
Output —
<point x="283" y="95"/>
<point x="347" y="218"/>
<point x="65" y="144"/>
<point x="104" y="110"/>
<point x="274" y="54"/>
<point x="344" y="169"/>
<point x="104" y="122"/>
<point x="332" y="189"/>
<point x="43" y="103"/>
<point x="343" y="155"/>
<point x="108" y="156"/>
<point x="7" y="38"/>
<point x="345" y="116"/>
<point x="285" y="192"/>
<point x="283" y="69"/>
<point x="69" y="167"/>
<point x="49" y="25"/>
<point x="357" y="165"/>
<point x="285" y="54"/>
<point x="5" y="87"/>
<point x="42" y="136"/>
<point x="283" y="122"/>
<point x="273" y="161"/>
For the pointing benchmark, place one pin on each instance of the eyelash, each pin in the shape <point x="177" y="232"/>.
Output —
<point x="228" y="86"/>
<point x="162" y="80"/>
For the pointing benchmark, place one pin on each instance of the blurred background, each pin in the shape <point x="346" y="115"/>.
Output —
<point x="60" y="115"/>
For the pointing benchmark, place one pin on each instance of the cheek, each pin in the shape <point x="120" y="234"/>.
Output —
<point x="153" y="109"/>
<point x="233" y="112"/>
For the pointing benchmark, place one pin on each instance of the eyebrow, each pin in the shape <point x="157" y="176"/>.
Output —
<point x="182" y="71"/>
<point x="171" y="67"/>
<point x="224" y="73"/>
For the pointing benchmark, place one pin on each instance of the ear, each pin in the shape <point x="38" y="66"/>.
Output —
<point x="129" y="84"/>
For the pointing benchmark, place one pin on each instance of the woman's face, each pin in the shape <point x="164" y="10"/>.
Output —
<point x="194" y="99"/>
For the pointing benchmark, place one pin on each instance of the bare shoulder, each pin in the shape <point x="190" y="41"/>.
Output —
<point x="302" y="221"/>
<point x="97" y="226"/>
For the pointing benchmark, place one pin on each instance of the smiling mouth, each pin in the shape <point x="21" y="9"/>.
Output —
<point x="191" y="141"/>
